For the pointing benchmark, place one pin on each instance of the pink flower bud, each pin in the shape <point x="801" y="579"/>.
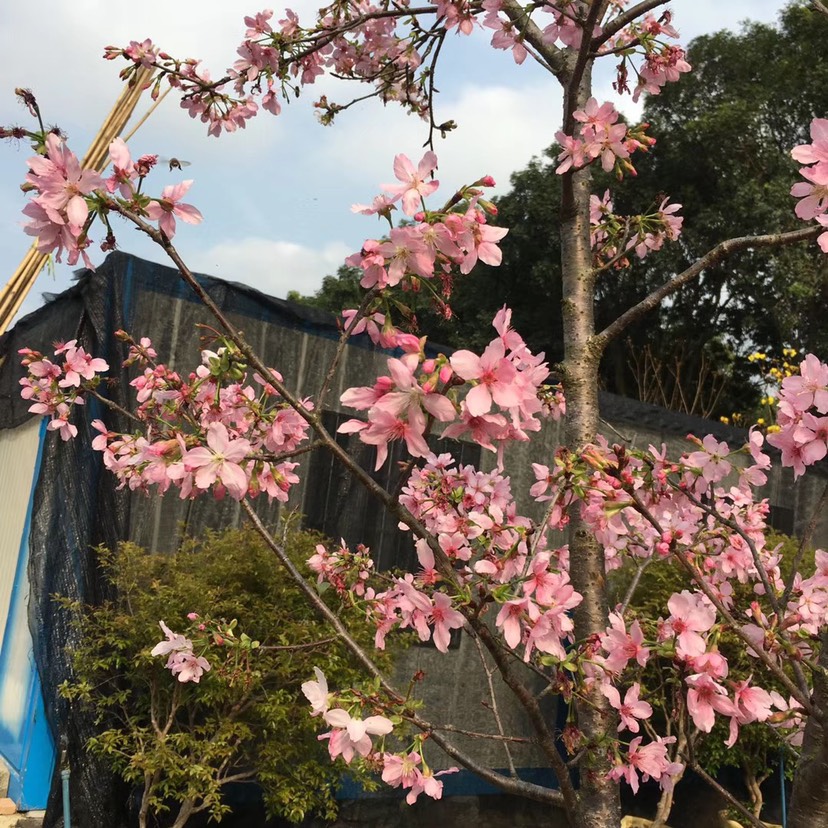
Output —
<point x="192" y="616"/>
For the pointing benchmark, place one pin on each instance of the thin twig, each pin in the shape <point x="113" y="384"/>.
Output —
<point x="308" y="646"/>
<point x="634" y="584"/>
<point x="488" y="671"/>
<point x="696" y="768"/>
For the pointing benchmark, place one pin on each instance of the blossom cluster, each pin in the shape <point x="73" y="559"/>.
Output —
<point x="182" y="662"/>
<point x="437" y="242"/>
<point x="388" y="47"/>
<point x="506" y="375"/>
<point x="813" y="193"/>
<point x="662" y="62"/>
<point x="67" y="198"/>
<point x="803" y="404"/>
<point x="58" y="213"/>
<point x="600" y="135"/>
<point x="210" y="430"/>
<point x="350" y="738"/>
<point x="613" y="236"/>
<point x="55" y="386"/>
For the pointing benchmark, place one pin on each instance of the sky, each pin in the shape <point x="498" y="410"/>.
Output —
<point x="276" y="197"/>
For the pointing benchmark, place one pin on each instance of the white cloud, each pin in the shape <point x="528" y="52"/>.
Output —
<point x="499" y="130"/>
<point x="274" y="267"/>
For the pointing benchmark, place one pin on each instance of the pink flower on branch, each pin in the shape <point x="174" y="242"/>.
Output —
<point x="623" y="646"/>
<point x="651" y="761"/>
<point x="817" y="151"/>
<point x="690" y="614"/>
<point x="495" y="376"/>
<point x="220" y="461"/>
<point x="62" y="183"/>
<point x="414" y="187"/>
<point x="169" y="206"/>
<point x="631" y="709"/>
<point x="352" y="736"/>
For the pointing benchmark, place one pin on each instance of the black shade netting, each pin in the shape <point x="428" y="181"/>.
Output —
<point x="77" y="505"/>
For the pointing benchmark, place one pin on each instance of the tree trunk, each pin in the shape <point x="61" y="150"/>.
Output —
<point x="599" y="804"/>
<point x="150" y="779"/>
<point x="184" y="813"/>
<point x="809" y="800"/>
<point x="754" y="786"/>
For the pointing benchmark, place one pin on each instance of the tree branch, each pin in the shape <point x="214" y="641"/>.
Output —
<point x="725" y="793"/>
<point x="495" y="712"/>
<point x="514" y="786"/>
<point x="720" y="252"/>
<point x="553" y="56"/>
<point x="617" y="23"/>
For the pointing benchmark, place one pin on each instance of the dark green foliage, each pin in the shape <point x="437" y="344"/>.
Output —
<point x="725" y="134"/>
<point x="247" y="717"/>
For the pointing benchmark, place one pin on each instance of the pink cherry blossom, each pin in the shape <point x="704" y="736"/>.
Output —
<point x="351" y="735"/>
<point x="414" y="187"/>
<point x="220" y="460"/>
<point x="187" y="666"/>
<point x="316" y="692"/>
<point x="169" y="206"/>
<point x="444" y="619"/>
<point x="817" y="151"/>
<point x="814" y="196"/>
<point x="631" y="709"/>
<point x="705" y="698"/>
<point x="495" y="375"/>
<point x="622" y="646"/>
<point x="690" y="615"/>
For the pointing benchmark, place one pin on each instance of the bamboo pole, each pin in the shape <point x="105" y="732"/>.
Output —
<point x="15" y="291"/>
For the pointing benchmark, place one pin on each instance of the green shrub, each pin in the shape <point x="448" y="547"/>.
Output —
<point x="246" y="718"/>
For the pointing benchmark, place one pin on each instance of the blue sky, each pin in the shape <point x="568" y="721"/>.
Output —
<point x="276" y="197"/>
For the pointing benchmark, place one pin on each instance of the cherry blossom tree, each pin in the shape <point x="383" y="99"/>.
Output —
<point x="232" y="427"/>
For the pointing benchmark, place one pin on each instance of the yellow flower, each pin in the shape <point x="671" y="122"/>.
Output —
<point x="773" y="429"/>
<point x="725" y="420"/>
<point x="760" y="421"/>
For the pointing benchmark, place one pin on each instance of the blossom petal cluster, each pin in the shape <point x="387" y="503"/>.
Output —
<point x="182" y="662"/>
<point x="377" y="46"/>
<point x="55" y="386"/>
<point x="802" y="416"/>
<point x="813" y="192"/>
<point x="67" y="198"/>
<point x="58" y="213"/>
<point x="211" y="431"/>
<point x="600" y="136"/>
<point x="503" y="403"/>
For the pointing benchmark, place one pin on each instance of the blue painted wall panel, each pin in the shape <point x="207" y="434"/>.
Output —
<point x="25" y="739"/>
